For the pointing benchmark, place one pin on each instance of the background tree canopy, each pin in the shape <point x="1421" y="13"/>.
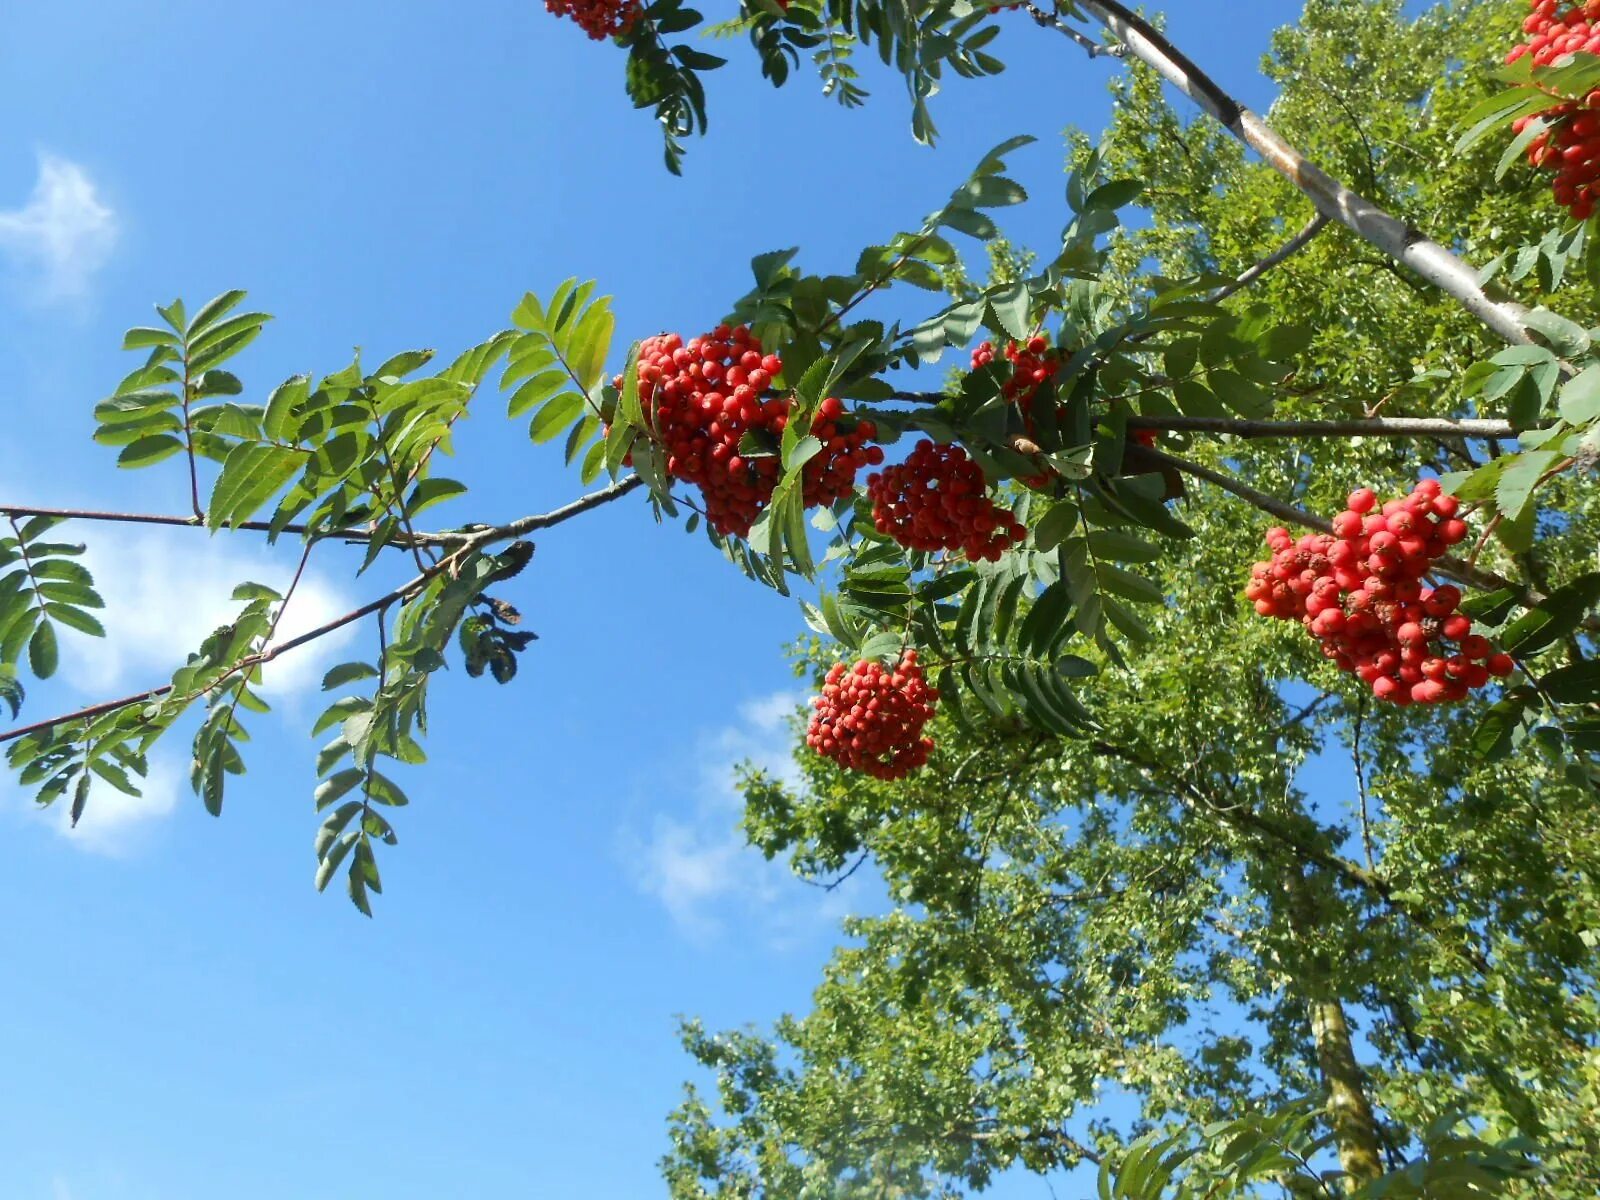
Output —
<point x="1152" y="927"/>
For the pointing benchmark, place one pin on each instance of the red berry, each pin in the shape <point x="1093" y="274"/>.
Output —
<point x="1347" y="525"/>
<point x="1443" y="601"/>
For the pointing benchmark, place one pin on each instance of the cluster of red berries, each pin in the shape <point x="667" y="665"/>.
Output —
<point x="1360" y="593"/>
<point x="1570" y="145"/>
<point x="937" y="500"/>
<point x="1032" y="364"/>
<point x="705" y="396"/>
<point x="600" y="19"/>
<point x="1555" y="28"/>
<point x="870" y="718"/>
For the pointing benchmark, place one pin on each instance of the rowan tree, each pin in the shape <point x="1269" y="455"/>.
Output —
<point x="1054" y="710"/>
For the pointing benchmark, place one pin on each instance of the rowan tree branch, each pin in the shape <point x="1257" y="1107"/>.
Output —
<point x="1373" y="427"/>
<point x="1090" y="47"/>
<point x="248" y="663"/>
<point x="403" y="541"/>
<point x="1397" y="427"/>
<point x="1247" y="820"/>
<point x="1426" y="258"/>
<point x="460" y="545"/>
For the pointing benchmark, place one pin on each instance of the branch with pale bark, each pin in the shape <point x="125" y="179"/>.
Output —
<point x="1399" y="241"/>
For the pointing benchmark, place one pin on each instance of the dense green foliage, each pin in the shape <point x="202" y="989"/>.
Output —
<point x="1152" y="911"/>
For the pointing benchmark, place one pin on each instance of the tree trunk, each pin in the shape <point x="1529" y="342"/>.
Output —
<point x="1355" y="1128"/>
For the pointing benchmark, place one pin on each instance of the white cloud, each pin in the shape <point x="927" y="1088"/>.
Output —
<point x="113" y="824"/>
<point x="62" y="235"/>
<point x="165" y="590"/>
<point x="697" y="863"/>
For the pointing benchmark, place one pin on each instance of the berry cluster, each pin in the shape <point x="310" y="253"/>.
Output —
<point x="870" y="718"/>
<point x="1554" y="30"/>
<point x="937" y="500"/>
<point x="704" y="397"/>
<point x="1570" y="145"/>
<point x="1032" y="365"/>
<point x="1359" y="591"/>
<point x="600" y="19"/>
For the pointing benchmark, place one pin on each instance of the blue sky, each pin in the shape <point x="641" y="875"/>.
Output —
<point x="185" y="1015"/>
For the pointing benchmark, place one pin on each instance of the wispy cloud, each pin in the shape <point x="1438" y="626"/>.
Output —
<point x="61" y="235"/>
<point x="113" y="825"/>
<point x="696" y="861"/>
<point x="165" y="591"/>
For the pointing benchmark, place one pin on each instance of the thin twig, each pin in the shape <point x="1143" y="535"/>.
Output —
<point x="887" y="276"/>
<point x="1384" y="427"/>
<point x="1352" y="427"/>
<point x="441" y="540"/>
<point x="1476" y="576"/>
<point x="272" y="630"/>
<point x="473" y="541"/>
<point x="1279" y="256"/>
<point x="188" y="436"/>
<point x="1361" y="781"/>
<point x="246" y="664"/>
<point x="838" y="882"/>
<point x="1090" y="47"/>
<point x="1308" y="711"/>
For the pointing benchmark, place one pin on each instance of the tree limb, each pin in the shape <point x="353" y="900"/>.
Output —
<point x="1429" y="260"/>
<point x="1375" y="427"/>
<point x="1279" y="256"/>
<point x="402" y="540"/>
<point x="1426" y="427"/>
<point x="1476" y="576"/>
<point x="1090" y="47"/>
<point x="461" y="545"/>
